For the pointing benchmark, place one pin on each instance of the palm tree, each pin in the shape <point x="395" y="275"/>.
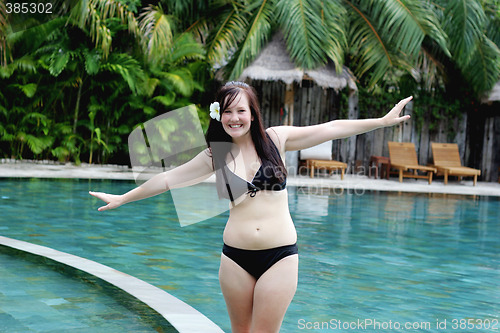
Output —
<point x="380" y="40"/>
<point x="473" y="36"/>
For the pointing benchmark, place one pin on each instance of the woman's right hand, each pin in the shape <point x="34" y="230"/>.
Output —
<point x="113" y="201"/>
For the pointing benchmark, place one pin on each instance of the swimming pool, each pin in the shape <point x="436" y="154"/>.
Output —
<point x="375" y="258"/>
<point x="39" y="295"/>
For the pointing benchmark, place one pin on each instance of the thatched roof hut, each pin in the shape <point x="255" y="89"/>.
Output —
<point x="274" y="64"/>
<point x="493" y="95"/>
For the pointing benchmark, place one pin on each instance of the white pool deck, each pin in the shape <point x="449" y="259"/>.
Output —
<point x="183" y="317"/>
<point x="352" y="182"/>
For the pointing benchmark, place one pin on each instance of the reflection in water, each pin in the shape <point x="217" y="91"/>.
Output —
<point x="395" y="256"/>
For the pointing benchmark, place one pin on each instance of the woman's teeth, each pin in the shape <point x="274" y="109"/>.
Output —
<point x="235" y="126"/>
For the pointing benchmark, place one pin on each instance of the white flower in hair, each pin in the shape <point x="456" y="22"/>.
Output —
<point x="215" y="111"/>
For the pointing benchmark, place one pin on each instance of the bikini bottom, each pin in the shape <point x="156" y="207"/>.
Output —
<point x="257" y="262"/>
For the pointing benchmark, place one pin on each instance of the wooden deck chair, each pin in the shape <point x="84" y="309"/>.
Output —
<point x="320" y="158"/>
<point x="404" y="158"/>
<point x="447" y="162"/>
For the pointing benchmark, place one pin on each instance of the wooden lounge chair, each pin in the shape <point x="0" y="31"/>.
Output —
<point x="447" y="162"/>
<point x="404" y="158"/>
<point x="320" y="158"/>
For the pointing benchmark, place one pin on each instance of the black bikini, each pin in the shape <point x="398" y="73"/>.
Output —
<point x="255" y="262"/>
<point x="233" y="186"/>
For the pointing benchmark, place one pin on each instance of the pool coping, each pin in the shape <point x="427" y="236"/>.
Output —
<point x="354" y="182"/>
<point x="180" y="315"/>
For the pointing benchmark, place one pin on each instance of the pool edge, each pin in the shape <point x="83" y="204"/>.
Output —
<point x="180" y="315"/>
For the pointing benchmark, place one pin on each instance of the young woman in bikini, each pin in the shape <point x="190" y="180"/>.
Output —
<point x="259" y="261"/>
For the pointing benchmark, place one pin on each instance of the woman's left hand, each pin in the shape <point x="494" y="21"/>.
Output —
<point x="392" y="117"/>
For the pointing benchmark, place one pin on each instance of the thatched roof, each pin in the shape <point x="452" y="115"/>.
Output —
<point x="274" y="64"/>
<point x="493" y="95"/>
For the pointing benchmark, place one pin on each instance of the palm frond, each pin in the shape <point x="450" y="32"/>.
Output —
<point x="226" y="34"/>
<point x="465" y="20"/>
<point x="94" y="13"/>
<point x="37" y="144"/>
<point x="128" y="68"/>
<point x="150" y="86"/>
<point x="165" y="100"/>
<point x="181" y="80"/>
<point x="185" y="47"/>
<point x="28" y="89"/>
<point x="405" y="24"/>
<point x="303" y="30"/>
<point x="3" y="16"/>
<point x="157" y="32"/>
<point x="24" y="64"/>
<point x="429" y="71"/>
<point x="492" y="11"/>
<point x="257" y="33"/>
<point x="369" y="51"/>
<point x="483" y="69"/>
<point x="335" y="22"/>
<point x="92" y="61"/>
<point x="58" y="61"/>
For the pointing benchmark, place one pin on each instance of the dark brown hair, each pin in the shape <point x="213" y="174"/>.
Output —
<point x="270" y="158"/>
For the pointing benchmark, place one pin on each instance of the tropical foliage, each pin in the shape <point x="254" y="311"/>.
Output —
<point x="73" y="87"/>
<point x="380" y="40"/>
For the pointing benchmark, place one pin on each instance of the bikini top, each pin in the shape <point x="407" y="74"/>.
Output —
<point x="233" y="186"/>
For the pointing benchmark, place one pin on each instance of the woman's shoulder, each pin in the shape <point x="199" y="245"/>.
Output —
<point x="276" y="134"/>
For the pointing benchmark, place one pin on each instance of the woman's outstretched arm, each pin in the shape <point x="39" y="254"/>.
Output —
<point x="190" y="173"/>
<point x="297" y="138"/>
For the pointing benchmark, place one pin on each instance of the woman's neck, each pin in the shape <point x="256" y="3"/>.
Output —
<point x="245" y="142"/>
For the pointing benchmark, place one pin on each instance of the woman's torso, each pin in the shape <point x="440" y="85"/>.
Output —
<point x="259" y="220"/>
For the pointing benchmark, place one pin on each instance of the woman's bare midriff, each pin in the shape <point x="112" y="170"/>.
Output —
<point x="260" y="222"/>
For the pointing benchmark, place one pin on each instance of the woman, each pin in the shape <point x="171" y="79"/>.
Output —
<point x="259" y="261"/>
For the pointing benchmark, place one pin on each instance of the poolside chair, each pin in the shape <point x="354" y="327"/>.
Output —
<point x="447" y="162"/>
<point x="320" y="158"/>
<point x="404" y="158"/>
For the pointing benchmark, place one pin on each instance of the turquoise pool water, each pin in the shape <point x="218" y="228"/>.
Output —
<point x="366" y="258"/>
<point x="43" y="296"/>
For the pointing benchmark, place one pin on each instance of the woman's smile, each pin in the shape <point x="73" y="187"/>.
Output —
<point x="237" y="117"/>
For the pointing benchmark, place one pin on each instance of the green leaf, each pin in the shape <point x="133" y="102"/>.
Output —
<point x="28" y="89"/>
<point x="185" y="47"/>
<point x="483" y="69"/>
<point x="37" y="144"/>
<point x="157" y="32"/>
<point x="304" y="31"/>
<point x="165" y="100"/>
<point x="231" y="24"/>
<point x="129" y="69"/>
<point x="465" y="21"/>
<point x="92" y="61"/>
<point x="181" y="79"/>
<point x="257" y="33"/>
<point x="58" y="62"/>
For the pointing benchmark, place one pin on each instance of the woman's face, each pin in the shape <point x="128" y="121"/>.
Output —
<point x="237" y="117"/>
